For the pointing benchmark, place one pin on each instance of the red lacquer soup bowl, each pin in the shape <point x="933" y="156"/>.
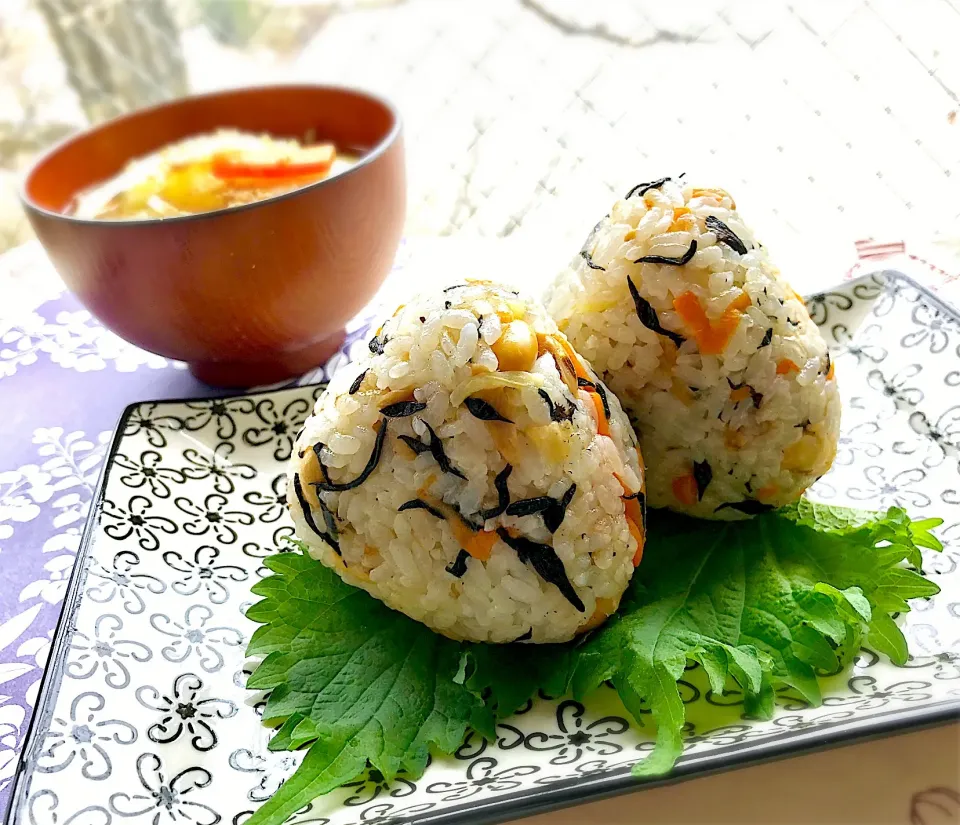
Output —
<point x="246" y="295"/>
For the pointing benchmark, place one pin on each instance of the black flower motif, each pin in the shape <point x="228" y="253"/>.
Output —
<point x="195" y="637"/>
<point x="219" y="412"/>
<point x="211" y="517"/>
<point x="799" y="722"/>
<point x="217" y="466"/>
<point x="822" y="490"/>
<point x="182" y="711"/>
<point x="85" y="736"/>
<point x="855" y="441"/>
<point x="203" y="572"/>
<point x="717" y="737"/>
<point x="274" y="504"/>
<point x="934" y="329"/>
<point x="305" y="816"/>
<point x="135" y="519"/>
<point x="106" y="651"/>
<point x="255" y="551"/>
<point x="279" y="427"/>
<point x="819" y="305"/>
<point x="868" y="407"/>
<point x="281" y="539"/>
<point x="42" y="809"/>
<point x="896" y="489"/>
<point x="871" y="287"/>
<point x="147" y="471"/>
<point x="894" y="292"/>
<point x="945" y="665"/>
<point x="897" y="389"/>
<point x="481" y="776"/>
<point x="865" y="347"/>
<point x="272" y="776"/>
<point x="937" y="440"/>
<point x="162" y="796"/>
<point x="949" y="560"/>
<point x="280" y="543"/>
<point x="373" y="783"/>
<point x="144" y="419"/>
<point x="384" y="812"/>
<point x="945" y="431"/>
<point x="786" y="698"/>
<point x="121" y="578"/>
<point x="865" y="694"/>
<point x="577" y="737"/>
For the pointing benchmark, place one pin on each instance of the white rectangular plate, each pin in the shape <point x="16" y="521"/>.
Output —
<point x="143" y="715"/>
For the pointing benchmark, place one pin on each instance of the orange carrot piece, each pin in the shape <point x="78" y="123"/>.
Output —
<point x="740" y="393"/>
<point x="574" y="358"/>
<point x="479" y="545"/>
<point x="685" y="489"/>
<point x="740" y="303"/>
<point x="313" y="161"/>
<point x="712" y="338"/>
<point x="689" y="309"/>
<point x="831" y="372"/>
<point x="638" y="535"/>
<point x="682" y="220"/>
<point x="722" y="331"/>
<point x="631" y="506"/>
<point x="767" y="492"/>
<point x="482" y="544"/>
<point x="785" y="365"/>
<point x="603" y="426"/>
<point x="563" y="354"/>
<point x="718" y="194"/>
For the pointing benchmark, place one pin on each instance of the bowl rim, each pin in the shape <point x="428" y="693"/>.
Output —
<point x="381" y="147"/>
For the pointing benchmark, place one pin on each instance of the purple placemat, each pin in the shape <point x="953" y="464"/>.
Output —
<point x="64" y="382"/>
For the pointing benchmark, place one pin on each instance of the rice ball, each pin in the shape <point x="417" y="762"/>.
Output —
<point x="713" y="355"/>
<point x="474" y="473"/>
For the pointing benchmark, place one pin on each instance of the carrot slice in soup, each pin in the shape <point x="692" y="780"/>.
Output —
<point x="314" y="160"/>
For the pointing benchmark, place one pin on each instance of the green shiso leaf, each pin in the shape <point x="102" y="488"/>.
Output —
<point x="784" y="597"/>
<point x="774" y="601"/>
<point x="351" y="679"/>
